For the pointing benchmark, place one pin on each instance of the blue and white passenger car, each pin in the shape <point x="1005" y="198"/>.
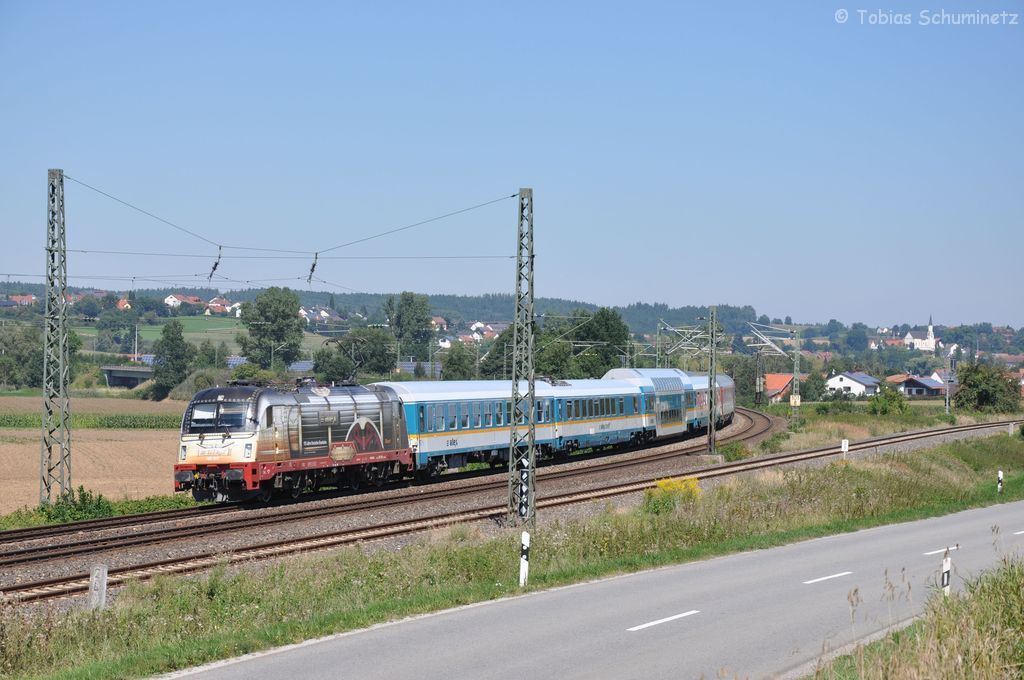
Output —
<point x="456" y="422"/>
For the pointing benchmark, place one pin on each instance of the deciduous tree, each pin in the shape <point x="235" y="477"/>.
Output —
<point x="171" y="360"/>
<point x="275" y="328"/>
<point x="987" y="388"/>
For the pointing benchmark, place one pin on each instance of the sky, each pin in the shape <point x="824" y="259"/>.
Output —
<point x="816" y="159"/>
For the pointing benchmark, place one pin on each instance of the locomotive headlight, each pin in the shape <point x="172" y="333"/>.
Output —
<point x="181" y="457"/>
<point x="248" y="451"/>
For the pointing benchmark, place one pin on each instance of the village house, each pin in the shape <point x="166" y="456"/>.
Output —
<point x="222" y="306"/>
<point x="23" y="300"/>
<point x="777" y="386"/>
<point x="917" y="386"/>
<point x="854" y="383"/>
<point x="175" y="300"/>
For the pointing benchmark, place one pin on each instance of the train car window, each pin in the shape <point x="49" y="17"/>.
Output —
<point x="635" y="404"/>
<point x="487" y="413"/>
<point x="269" y="416"/>
<point x="423" y="418"/>
<point x="439" y="417"/>
<point x="622" y="406"/>
<point x="508" y="412"/>
<point x="477" y="407"/>
<point x="547" y="410"/>
<point x="465" y="415"/>
<point x="430" y="418"/>
<point x="453" y="416"/>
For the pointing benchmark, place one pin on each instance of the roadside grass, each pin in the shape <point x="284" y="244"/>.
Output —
<point x="81" y="504"/>
<point x="974" y="634"/>
<point x="172" y="623"/>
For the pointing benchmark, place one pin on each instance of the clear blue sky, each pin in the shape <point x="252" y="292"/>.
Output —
<point x="741" y="153"/>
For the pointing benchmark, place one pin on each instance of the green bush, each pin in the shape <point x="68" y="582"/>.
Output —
<point x="76" y="505"/>
<point x="774" y="443"/>
<point x="199" y="380"/>
<point x="887" y="402"/>
<point x="734" y="451"/>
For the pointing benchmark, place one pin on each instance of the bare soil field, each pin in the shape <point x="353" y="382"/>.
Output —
<point x="117" y="463"/>
<point x="96" y="405"/>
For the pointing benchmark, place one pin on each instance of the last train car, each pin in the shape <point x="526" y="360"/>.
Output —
<point x="238" y="442"/>
<point x="676" y="402"/>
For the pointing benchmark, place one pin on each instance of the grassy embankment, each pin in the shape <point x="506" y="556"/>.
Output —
<point x="975" y="634"/>
<point x="175" y="622"/>
<point x="852" y="420"/>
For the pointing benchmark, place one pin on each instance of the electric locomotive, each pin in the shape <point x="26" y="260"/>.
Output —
<point x="247" y="441"/>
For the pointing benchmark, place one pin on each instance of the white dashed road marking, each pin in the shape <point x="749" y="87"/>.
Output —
<point x="666" y="620"/>
<point x="942" y="550"/>
<point x="825" y="578"/>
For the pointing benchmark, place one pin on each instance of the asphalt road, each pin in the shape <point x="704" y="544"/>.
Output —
<point x="769" y="613"/>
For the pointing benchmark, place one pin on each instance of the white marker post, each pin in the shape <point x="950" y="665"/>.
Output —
<point x="999" y="482"/>
<point x="524" y="559"/>
<point x="845" y="446"/>
<point x="98" y="587"/>
<point x="947" y="563"/>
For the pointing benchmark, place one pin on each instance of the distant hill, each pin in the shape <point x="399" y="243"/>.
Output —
<point x="641" y="317"/>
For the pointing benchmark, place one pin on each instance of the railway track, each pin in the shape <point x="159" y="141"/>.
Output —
<point x="78" y="584"/>
<point x="758" y="424"/>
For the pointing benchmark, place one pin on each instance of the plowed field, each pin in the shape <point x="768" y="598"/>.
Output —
<point x="116" y="463"/>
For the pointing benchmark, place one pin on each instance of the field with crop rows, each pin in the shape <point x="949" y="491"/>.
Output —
<point x="115" y="448"/>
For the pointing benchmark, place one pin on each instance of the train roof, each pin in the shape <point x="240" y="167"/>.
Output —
<point x="467" y="390"/>
<point x="229" y="393"/>
<point x="666" y="378"/>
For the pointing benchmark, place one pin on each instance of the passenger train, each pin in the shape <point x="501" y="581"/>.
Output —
<point x="244" y="441"/>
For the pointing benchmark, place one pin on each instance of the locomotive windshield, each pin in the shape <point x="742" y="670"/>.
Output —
<point x="218" y="416"/>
